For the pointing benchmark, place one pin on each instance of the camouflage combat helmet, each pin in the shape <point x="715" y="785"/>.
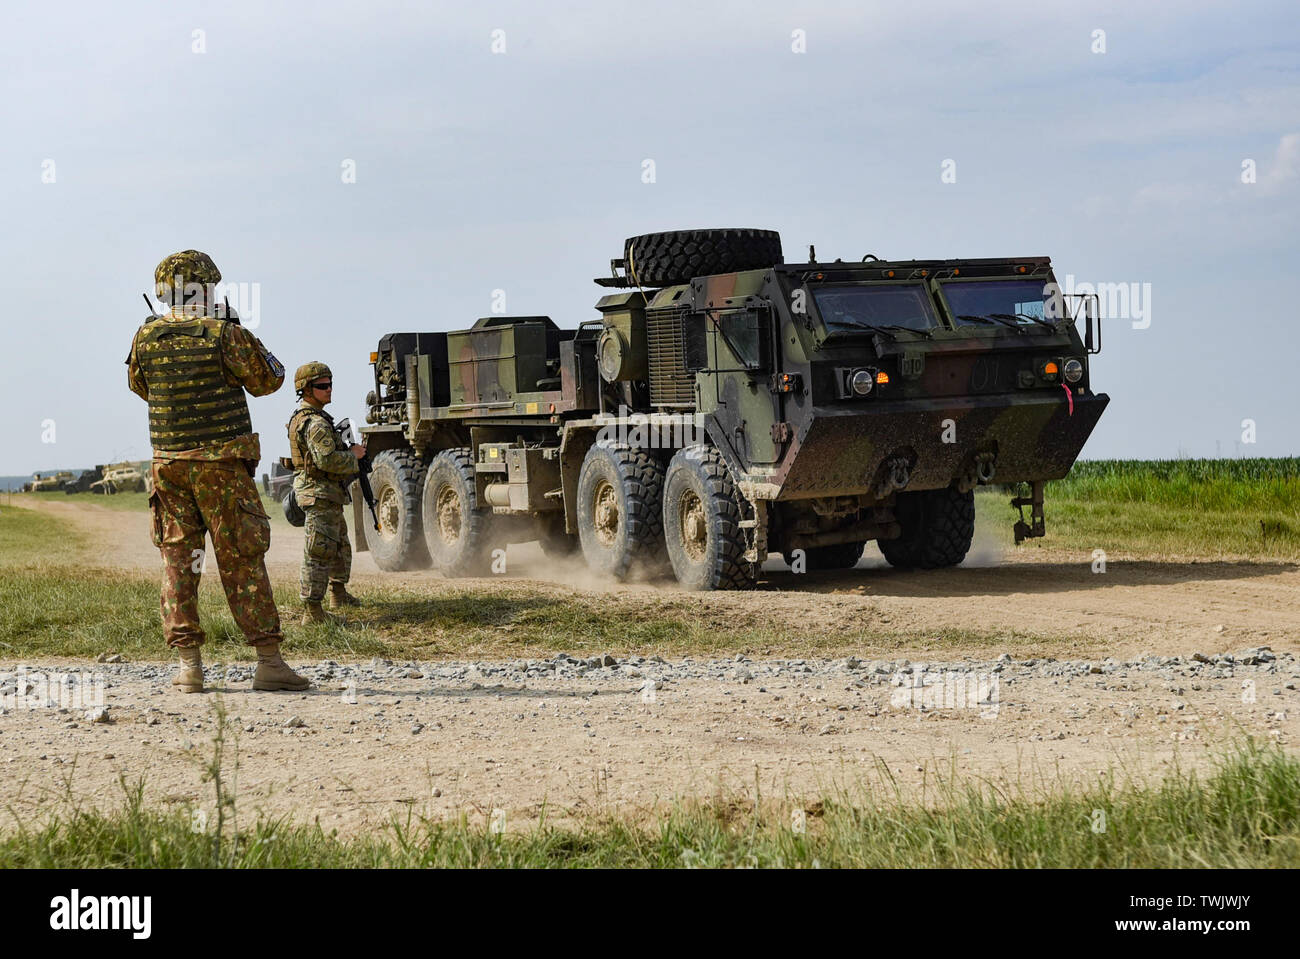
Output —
<point x="308" y="372"/>
<point x="182" y="269"/>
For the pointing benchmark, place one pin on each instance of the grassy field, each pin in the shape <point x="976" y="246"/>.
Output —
<point x="1225" y="509"/>
<point x="1245" y="814"/>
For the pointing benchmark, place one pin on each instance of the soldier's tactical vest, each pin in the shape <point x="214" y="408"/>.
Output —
<point x="191" y="404"/>
<point x="302" y="461"/>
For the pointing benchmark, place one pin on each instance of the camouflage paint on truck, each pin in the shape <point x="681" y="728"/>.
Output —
<point x="825" y="402"/>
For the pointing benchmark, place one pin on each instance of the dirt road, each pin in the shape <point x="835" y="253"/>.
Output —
<point x="447" y="738"/>
<point x="1131" y="609"/>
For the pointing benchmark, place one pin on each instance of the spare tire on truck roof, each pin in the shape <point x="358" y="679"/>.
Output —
<point x="666" y="259"/>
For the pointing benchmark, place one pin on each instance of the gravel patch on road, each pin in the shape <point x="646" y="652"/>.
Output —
<point x="601" y="734"/>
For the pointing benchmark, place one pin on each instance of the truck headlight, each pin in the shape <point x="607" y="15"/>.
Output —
<point x="1073" y="371"/>
<point x="862" y="382"/>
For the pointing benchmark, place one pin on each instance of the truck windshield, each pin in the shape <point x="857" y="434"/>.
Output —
<point x="851" y="309"/>
<point x="1005" y="302"/>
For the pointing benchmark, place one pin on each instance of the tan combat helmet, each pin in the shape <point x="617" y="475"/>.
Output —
<point x="308" y="372"/>
<point x="181" y="270"/>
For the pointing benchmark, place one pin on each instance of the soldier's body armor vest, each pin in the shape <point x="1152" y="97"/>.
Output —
<point x="302" y="461"/>
<point x="191" y="403"/>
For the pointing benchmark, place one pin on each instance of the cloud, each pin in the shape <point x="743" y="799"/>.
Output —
<point x="1285" y="169"/>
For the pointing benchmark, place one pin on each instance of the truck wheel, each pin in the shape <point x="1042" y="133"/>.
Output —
<point x="665" y="259"/>
<point x="455" y="529"/>
<point x="620" y="502"/>
<point x="398" y="544"/>
<point x="839" y="556"/>
<point x="938" y="526"/>
<point x="702" y="513"/>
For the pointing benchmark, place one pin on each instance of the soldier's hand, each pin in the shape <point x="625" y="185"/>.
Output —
<point x="358" y="451"/>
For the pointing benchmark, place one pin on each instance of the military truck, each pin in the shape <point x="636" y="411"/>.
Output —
<point x="85" y="481"/>
<point x="47" y="483"/>
<point x="277" y="483"/>
<point x="124" y="477"/>
<point x="726" y="404"/>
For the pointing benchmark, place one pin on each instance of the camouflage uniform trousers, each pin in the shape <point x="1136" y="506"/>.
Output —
<point x="326" y="552"/>
<point x="189" y="498"/>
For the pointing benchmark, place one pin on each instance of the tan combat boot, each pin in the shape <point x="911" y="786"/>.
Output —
<point x="313" y="612"/>
<point x="339" y="596"/>
<point x="274" y="673"/>
<point x="190" y="677"/>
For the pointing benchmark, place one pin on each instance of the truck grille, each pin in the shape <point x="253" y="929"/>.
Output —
<point x="670" y="383"/>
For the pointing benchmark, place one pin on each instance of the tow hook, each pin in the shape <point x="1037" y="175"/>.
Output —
<point x="896" y="474"/>
<point x="978" y="471"/>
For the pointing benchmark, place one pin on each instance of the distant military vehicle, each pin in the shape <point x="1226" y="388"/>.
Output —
<point x="122" y="478"/>
<point x="83" y="482"/>
<point x="49" y="482"/>
<point x="726" y="405"/>
<point x="278" y="482"/>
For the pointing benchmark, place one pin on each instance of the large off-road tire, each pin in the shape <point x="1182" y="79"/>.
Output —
<point x="665" y="259"/>
<point x="937" y="525"/>
<point x="702" y="514"/>
<point x="396" y="477"/>
<point x="457" y="533"/>
<point x="839" y="556"/>
<point x="620" y="510"/>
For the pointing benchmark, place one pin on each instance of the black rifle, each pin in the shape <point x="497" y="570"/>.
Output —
<point x="344" y="428"/>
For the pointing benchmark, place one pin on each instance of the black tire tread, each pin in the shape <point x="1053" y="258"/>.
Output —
<point x="666" y="259"/>
<point x="938" y="527"/>
<point x="643" y="484"/>
<point x="730" y="568"/>
<point x="474" y="560"/>
<point x="412" y="554"/>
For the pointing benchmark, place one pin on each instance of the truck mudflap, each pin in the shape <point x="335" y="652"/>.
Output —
<point x="929" y="444"/>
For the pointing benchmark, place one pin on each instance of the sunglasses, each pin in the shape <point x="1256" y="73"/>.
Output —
<point x="323" y="386"/>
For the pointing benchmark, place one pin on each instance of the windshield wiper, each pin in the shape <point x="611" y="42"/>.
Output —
<point x="990" y="318"/>
<point x="1032" y="319"/>
<point x="906" y="329"/>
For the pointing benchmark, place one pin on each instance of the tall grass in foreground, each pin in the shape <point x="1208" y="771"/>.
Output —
<point x="1163" y="509"/>
<point x="1212" y="485"/>
<point x="1246" y="813"/>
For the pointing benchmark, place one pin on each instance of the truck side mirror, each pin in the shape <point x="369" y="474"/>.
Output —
<point x="1092" y="334"/>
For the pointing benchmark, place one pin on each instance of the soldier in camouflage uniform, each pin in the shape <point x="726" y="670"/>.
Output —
<point x="324" y="466"/>
<point x="192" y="365"/>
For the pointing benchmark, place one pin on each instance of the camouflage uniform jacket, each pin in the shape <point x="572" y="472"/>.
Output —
<point x="247" y="363"/>
<point x="325" y="479"/>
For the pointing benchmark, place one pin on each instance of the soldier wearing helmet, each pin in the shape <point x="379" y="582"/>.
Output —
<point x="192" y="365"/>
<point x="323" y="467"/>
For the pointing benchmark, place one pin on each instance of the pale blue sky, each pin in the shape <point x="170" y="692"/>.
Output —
<point x="522" y="171"/>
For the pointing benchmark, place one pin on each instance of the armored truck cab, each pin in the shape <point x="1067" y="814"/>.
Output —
<point x="725" y="405"/>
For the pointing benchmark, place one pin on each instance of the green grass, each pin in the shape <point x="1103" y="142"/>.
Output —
<point x="1244" y="814"/>
<point x="1210" y="509"/>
